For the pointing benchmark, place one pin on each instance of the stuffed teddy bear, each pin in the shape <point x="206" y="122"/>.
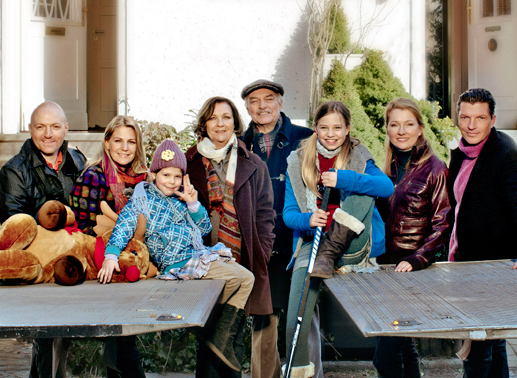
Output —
<point x="54" y="251"/>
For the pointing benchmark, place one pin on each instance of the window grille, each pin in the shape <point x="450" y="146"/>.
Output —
<point x="488" y="8"/>
<point x="58" y="10"/>
<point x="504" y="7"/>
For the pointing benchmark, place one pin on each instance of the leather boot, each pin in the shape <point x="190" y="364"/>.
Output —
<point x="335" y="242"/>
<point x="221" y="340"/>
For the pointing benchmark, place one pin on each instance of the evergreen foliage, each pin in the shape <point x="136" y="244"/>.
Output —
<point x="339" y="85"/>
<point x="367" y="90"/>
<point x="340" y="42"/>
<point x="377" y="86"/>
<point x="436" y="67"/>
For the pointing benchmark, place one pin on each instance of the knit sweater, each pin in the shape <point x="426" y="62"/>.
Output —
<point x="88" y="192"/>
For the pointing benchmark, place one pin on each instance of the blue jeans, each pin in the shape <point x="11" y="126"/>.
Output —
<point x="487" y="359"/>
<point x="396" y="357"/>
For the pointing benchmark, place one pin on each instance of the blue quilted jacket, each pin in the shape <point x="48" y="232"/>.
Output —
<point x="168" y="235"/>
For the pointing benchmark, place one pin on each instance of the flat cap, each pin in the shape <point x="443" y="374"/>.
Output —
<point x="275" y="87"/>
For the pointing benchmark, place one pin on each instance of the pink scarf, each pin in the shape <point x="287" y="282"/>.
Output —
<point x="460" y="184"/>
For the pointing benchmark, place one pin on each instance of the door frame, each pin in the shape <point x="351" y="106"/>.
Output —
<point x="457" y="25"/>
<point x="122" y="61"/>
<point x="121" y="56"/>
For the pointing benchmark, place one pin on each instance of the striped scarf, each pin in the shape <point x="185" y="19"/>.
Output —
<point x="221" y="200"/>
<point x="118" y="181"/>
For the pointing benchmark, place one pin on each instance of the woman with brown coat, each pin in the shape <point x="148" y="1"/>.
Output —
<point x="234" y="186"/>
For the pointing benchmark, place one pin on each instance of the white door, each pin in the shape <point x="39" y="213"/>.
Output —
<point x="492" y="55"/>
<point x="54" y="58"/>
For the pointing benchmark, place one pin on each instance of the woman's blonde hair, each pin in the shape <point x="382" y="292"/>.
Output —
<point x="404" y="104"/>
<point x="139" y="163"/>
<point x="307" y="151"/>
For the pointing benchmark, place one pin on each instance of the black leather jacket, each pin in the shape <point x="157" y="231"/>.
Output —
<point x="417" y="214"/>
<point x="27" y="182"/>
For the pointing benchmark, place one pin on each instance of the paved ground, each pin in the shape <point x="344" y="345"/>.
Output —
<point x="15" y="361"/>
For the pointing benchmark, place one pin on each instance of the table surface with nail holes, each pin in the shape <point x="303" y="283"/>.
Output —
<point x="91" y="309"/>
<point x="474" y="300"/>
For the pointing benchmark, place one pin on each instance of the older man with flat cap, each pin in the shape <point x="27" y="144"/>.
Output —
<point x="272" y="136"/>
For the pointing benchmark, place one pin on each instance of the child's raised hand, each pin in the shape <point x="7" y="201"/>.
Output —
<point x="189" y="192"/>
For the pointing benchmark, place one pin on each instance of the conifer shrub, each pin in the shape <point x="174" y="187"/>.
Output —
<point x="376" y="86"/>
<point x="340" y="42"/>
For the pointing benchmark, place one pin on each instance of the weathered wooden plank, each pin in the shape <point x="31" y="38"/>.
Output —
<point x="448" y="300"/>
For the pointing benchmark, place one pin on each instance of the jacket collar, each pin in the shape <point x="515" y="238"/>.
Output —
<point x="284" y="132"/>
<point x="35" y="157"/>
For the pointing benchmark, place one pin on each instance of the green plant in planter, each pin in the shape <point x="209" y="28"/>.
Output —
<point x="376" y="86"/>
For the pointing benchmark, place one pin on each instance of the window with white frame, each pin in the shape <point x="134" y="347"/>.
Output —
<point x="57" y="10"/>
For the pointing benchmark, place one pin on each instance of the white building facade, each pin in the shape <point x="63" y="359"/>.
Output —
<point x="157" y="60"/>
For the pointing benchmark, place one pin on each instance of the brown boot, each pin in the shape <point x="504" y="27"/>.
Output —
<point x="221" y="339"/>
<point x="335" y="242"/>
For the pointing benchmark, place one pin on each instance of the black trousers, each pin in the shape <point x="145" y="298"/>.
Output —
<point x="487" y="359"/>
<point x="396" y="357"/>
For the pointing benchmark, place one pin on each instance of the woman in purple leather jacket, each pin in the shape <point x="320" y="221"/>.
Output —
<point x="416" y="218"/>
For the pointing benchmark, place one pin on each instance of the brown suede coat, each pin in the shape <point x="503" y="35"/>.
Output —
<point x="253" y="201"/>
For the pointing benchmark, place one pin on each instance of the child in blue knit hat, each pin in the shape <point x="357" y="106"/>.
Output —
<point x="176" y="224"/>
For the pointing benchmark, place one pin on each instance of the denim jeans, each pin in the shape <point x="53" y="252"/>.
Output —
<point x="396" y="357"/>
<point x="487" y="359"/>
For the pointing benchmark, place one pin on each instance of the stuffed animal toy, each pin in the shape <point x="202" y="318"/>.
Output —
<point x="54" y="251"/>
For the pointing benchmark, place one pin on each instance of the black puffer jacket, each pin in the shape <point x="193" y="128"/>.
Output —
<point x="417" y="214"/>
<point x="27" y="182"/>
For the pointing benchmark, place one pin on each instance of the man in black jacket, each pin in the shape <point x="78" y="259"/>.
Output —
<point x="483" y="185"/>
<point x="44" y="169"/>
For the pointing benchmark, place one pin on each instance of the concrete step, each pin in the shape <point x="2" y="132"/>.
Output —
<point x="88" y="143"/>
